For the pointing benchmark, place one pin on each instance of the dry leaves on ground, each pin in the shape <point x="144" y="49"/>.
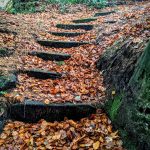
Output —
<point x="93" y="133"/>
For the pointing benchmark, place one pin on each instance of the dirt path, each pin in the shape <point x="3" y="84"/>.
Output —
<point x="79" y="81"/>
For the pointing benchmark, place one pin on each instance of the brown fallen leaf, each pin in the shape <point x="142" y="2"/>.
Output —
<point x="96" y="145"/>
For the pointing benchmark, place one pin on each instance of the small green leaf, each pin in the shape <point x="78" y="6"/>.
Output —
<point x="60" y="63"/>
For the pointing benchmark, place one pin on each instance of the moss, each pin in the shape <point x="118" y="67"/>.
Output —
<point x="130" y="112"/>
<point x="112" y="106"/>
<point x="138" y="112"/>
<point x="9" y="8"/>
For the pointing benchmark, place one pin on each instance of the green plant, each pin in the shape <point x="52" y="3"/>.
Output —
<point x="60" y="63"/>
<point x="42" y="8"/>
<point x="17" y="6"/>
<point x="3" y="92"/>
<point x="116" y="103"/>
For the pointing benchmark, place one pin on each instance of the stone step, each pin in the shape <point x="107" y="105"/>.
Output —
<point x="33" y="111"/>
<point x="103" y="13"/>
<point x="5" y="52"/>
<point x="84" y="20"/>
<point x="3" y="113"/>
<point x="67" y="34"/>
<point x="8" y="82"/>
<point x="61" y="44"/>
<point x="41" y="74"/>
<point x="110" y="21"/>
<point x="75" y="26"/>
<point x="110" y="4"/>
<point x="50" y="56"/>
<point x="3" y="30"/>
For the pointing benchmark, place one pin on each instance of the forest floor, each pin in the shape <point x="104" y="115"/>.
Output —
<point x="81" y="82"/>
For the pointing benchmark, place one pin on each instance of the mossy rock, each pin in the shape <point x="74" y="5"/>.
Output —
<point x="61" y="44"/>
<point x="67" y="34"/>
<point x="126" y="71"/>
<point x="103" y="13"/>
<point x="84" y="20"/>
<point x="3" y="30"/>
<point x="50" y="56"/>
<point x="109" y="4"/>
<point x="41" y="74"/>
<point x="110" y="21"/>
<point x="4" y="52"/>
<point x="75" y="26"/>
<point x="8" y="82"/>
<point x="3" y="114"/>
<point x="4" y="4"/>
<point x="33" y="111"/>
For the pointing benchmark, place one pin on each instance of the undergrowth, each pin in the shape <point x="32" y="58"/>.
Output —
<point x="116" y="103"/>
<point x="21" y="6"/>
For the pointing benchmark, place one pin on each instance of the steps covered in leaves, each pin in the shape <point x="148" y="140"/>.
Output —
<point x="50" y="56"/>
<point x="32" y="111"/>
<point x="75" y="26"/>
<point x="67" y="34"/>
<point x="61" y="44"/>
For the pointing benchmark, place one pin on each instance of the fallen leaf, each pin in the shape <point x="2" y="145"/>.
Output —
<point x="96" y="145"/>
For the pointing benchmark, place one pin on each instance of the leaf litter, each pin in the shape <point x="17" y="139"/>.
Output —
<point x="93" y="133"/>
<point x="85" y="82"/>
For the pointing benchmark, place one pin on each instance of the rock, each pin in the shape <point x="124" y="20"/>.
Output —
<point x="60" y="44"/>
<point x="103" y="13"/>
<point x="3" y="3"/>
<point x="75" y="26"/>
<point x="115" y="3"/>
<point x="1" y="126"/>
<point x="7" y="82"/>
<point x="110" y="4"/>
<point x="110" y="21"/>
<point x="3" y="114"/>
<point x="41" y="74"/>
<point x="127" y="71"/>
<point x="6" y="52"/>
<point x="32" y="111"/>
<point x="85" y="20"/>
<point x="50" y="56"/>
<point x="67" y="34"/>
<point x="3" y="30"/>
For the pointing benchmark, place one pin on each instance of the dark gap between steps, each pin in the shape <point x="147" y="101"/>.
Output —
<point x="33" y="111"/>
<point x="67" y="34"/>
<point x="84" y="20"/>
<point x="41" y="74"/>
<point x="75" y="26"/>
<point x="50" y="56"/>
<point x="61" y="44"/>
